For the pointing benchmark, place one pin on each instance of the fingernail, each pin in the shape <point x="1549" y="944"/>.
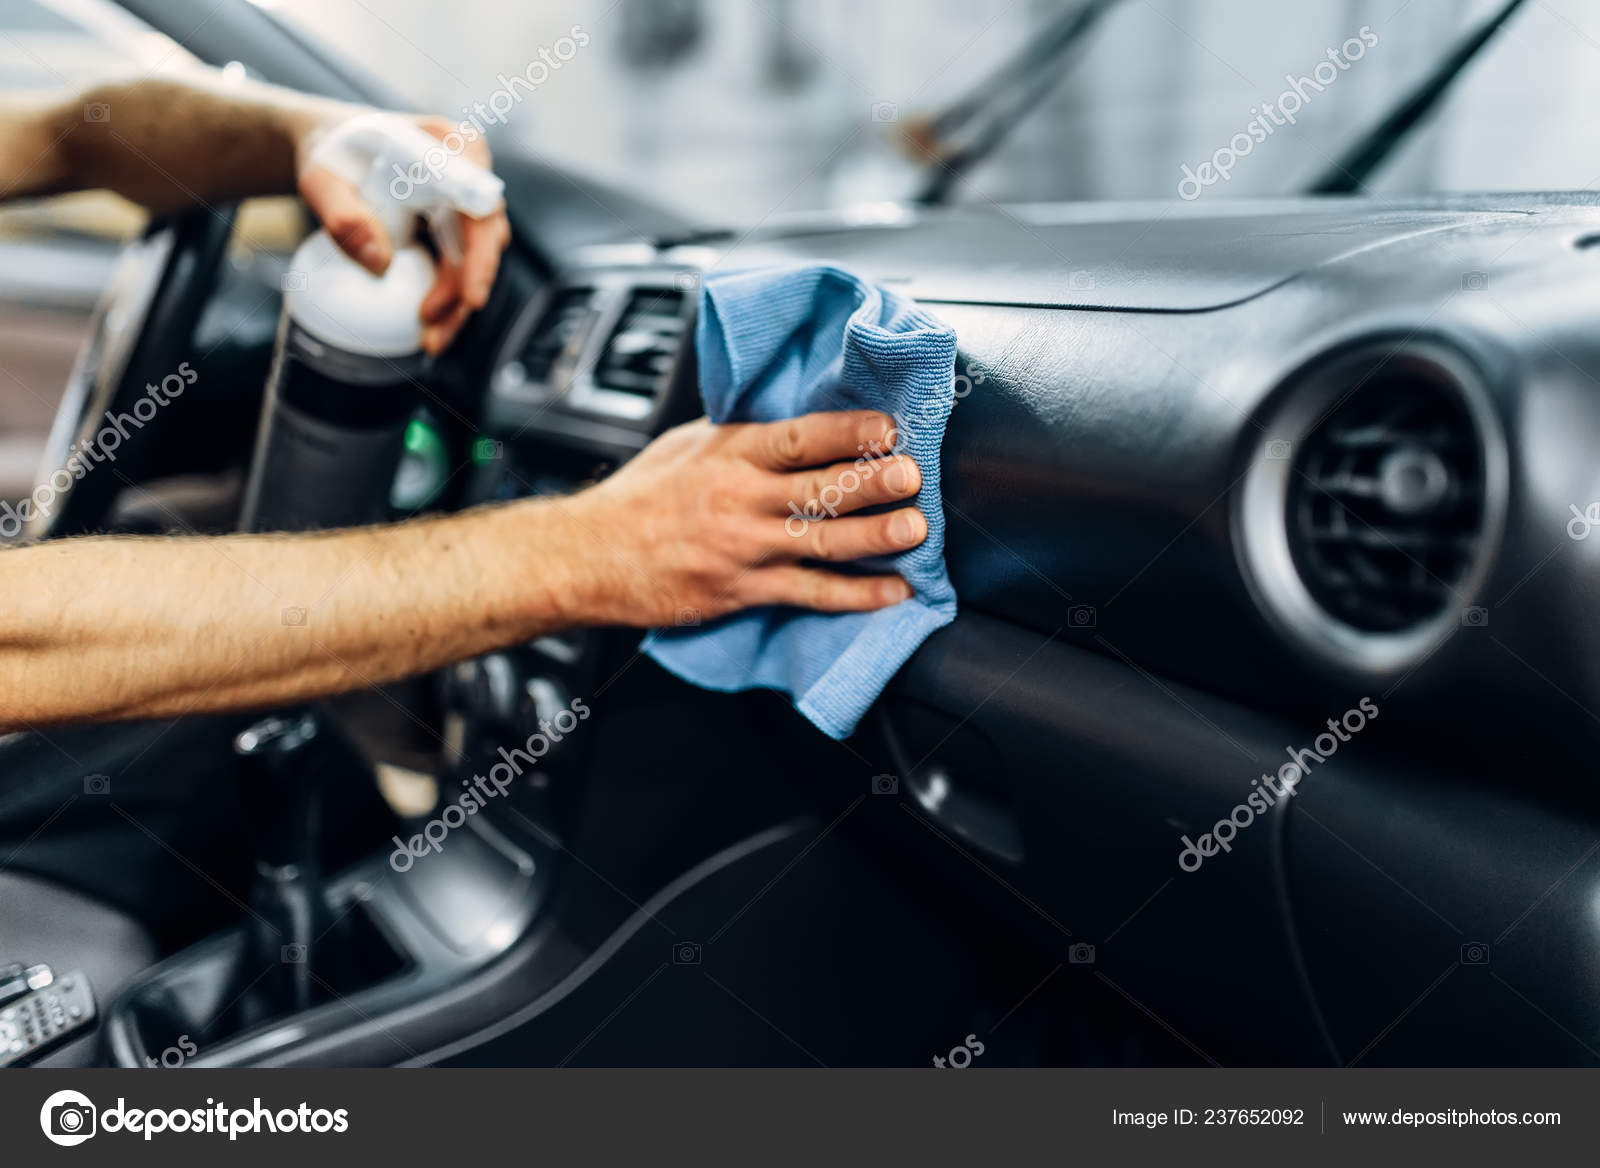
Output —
<point x="902" y="476"/>
<point x="890" y="437"/>
<point x="907" y="527"/>
<point x="896" y="591"/>
<point x="372" y="256"/>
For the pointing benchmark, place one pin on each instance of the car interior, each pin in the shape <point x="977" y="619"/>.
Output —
<point x="1226" y="481"/>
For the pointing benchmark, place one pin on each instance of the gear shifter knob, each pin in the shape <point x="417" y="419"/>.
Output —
<point x="279" y="790"/>
<point x="280" y="786"/>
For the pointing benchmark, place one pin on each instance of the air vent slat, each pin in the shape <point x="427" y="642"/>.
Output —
<point x="1400" y="540"/>
<point x="1346" y="484"/>
<point x="1371" y="437"/>
<point x="644" y="345"/>
<point x="562" y="325"/>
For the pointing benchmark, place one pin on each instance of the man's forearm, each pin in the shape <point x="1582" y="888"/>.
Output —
<point x="124" y="627"/>
<point x="700" y="521"/>
<point x="237" y="140"/>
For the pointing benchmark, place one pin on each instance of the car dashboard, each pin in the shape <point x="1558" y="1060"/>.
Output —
<point x="1305" y="442"/>
<point x="1214" y="475"/>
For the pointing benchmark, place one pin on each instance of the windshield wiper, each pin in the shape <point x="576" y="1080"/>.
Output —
<point x="1347" y="174"/>
<point x="1031" y="74"/>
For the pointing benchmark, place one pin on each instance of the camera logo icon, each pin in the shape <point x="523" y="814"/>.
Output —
<point x="487" y="450"/>
<point x="293" y="281"/>
<point x="1277" y="450"/>
<point x="1474" y="281"/>
<point x="97" y="784"/>
<point x="293" y="954"/>
<point x="68" y="1118"/>
<point x="1081" y="954"/>
<point x="97" y="111"/>
<point x="1081" y="616"/>
<point x="885" y="785"/>
<point x="687" y="617"/>
<point x="294" y="616"/>
<point x="1473" y="617"/>
<point x="1080" y="281"/>
<point x="885" y="111"/>
<point x="686" y="953"/>
<point x="686" y="281"/>
<point x="1474" y="953"/>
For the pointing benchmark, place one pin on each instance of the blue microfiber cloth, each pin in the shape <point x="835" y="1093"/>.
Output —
<point x="777" y="342"/>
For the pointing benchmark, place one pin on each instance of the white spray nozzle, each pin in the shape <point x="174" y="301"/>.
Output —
<point x="401" y="170"/>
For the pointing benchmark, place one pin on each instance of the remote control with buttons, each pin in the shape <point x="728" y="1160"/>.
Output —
<point x="37" y="1022"/>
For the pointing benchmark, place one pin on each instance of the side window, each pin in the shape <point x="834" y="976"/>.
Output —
<point x="57" y="254"/>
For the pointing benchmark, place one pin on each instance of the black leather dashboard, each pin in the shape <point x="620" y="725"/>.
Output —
<point x="1125" y="366"/>
<point x="1126" y="661"/>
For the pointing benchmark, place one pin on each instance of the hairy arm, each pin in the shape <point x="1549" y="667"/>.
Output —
<point x="111" y="627"/>
<point x="128" y="627"/>
<point x="166" y="144"/>
<point x="172" y="144"/>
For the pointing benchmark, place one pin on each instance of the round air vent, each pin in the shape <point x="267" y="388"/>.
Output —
<point x="1385" y="503"/>
<point x="1370" y="511"/>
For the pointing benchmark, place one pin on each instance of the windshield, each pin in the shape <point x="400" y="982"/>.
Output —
<point x="737" y="111"/>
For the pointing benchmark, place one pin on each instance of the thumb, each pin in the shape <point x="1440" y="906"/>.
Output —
<point x="347" y="218"/>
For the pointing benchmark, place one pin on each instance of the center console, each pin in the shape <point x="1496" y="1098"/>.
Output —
<point x="368" y="967"/>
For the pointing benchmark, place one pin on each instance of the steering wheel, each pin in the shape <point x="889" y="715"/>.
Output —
<point x="141" y="331"/>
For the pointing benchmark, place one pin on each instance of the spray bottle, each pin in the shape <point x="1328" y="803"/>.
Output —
<point x="347" y="373"/>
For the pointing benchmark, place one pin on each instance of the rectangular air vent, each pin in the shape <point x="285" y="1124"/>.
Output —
<point x="644" y="345"/>
<point x="558" y="334"/>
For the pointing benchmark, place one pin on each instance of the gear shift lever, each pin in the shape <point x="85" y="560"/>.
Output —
<point x="280" y="785"/>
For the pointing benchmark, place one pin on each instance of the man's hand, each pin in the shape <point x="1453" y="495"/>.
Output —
<point x="707" y="520"/>
<point x="173" y="144"/>
<point x="458" y="289"/>
<point x="712" y="519"/>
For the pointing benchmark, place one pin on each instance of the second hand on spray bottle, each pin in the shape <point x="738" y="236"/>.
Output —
<point x="349" y="355"/>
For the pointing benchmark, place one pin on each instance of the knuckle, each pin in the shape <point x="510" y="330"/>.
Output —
<point x="684" y="435"/>
<point x="822" y="540"/>
<point x="865" y="480"/>
<point x="348" y="227"/>
<point x="789" y="441"/>
<point x="807" y="588"/>
<point x="812" y="486"/>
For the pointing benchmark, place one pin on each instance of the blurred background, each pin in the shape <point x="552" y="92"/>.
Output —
<point x="738" y="111"/>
